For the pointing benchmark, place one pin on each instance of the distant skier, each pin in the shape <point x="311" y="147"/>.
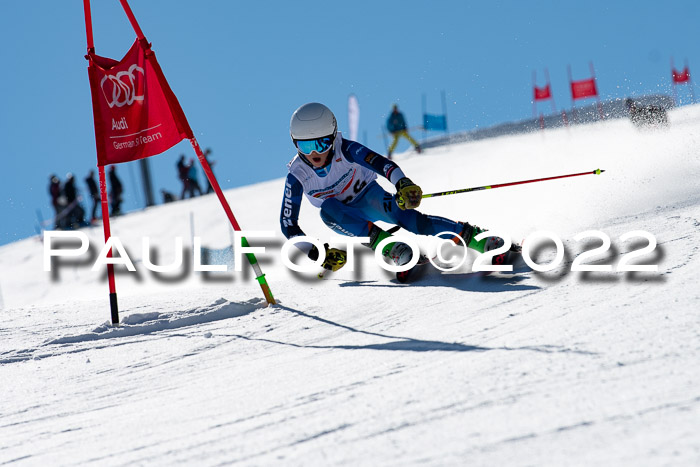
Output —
<point x="192" y="179"/>
<point x="55" y="192"/>
<point x="73" y="215"/>
<point x="182" y="173"/>
<point x="339" y="176"/>
<point x="396" y="124"/>
<point x="207" y="153"/>
<point x="646" y="116"/>
<point x="116" y="191"/>
<point x="94" y="193"/>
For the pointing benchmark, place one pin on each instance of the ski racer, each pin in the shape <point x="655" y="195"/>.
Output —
<point x="396" y="124"/>
<point x="338" y="176"/>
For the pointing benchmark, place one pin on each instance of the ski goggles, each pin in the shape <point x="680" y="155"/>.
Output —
<point x="319" y="145"/>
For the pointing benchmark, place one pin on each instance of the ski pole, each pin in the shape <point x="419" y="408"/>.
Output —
<point x="500" y="185"/>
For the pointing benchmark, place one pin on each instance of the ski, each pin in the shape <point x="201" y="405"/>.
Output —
<point x="414" y="272"/>
<point x="509" y="257"/>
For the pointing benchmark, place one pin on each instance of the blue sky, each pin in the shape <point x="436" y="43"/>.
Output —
<point x="240" y="69"/>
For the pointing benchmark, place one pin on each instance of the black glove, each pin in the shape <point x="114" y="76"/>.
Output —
<point x="408" y="194"/>
<point x="335" y="258"/>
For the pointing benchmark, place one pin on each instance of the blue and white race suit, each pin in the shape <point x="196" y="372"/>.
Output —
<point x="349" y="196"/>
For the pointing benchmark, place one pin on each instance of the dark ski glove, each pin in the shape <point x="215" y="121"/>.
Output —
<point x="408" y="194"/>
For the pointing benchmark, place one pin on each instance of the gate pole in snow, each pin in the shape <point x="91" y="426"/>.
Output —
<point x="546" y="75"/>
<point x="214" y="183"/>
<point x="690" y="82"/>
<point x="444" y="111"/>
<point x="534" y="100"/>
<point x="113" y="305"/>
<point x="597" y="96"/>
<point x="573" y="100"/>
<point x="244" y="243"/>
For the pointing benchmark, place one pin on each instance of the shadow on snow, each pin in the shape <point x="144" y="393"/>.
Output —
<point x="400" y="343"/>
<point x="467" y="282"/>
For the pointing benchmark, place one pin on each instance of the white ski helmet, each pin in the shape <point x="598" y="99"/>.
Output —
<point x="312" y="121"/>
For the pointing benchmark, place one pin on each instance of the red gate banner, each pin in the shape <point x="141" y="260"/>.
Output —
<point x="543" y="93"/>
<point x="584" y="88"/>
<point x="681" y="76"/>
<point x="136" y="113"/>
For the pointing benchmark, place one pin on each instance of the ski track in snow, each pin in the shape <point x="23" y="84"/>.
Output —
<point x="518" y="368"/>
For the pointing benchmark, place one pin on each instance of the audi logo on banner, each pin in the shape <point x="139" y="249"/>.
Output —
<point x="120" y="89"/>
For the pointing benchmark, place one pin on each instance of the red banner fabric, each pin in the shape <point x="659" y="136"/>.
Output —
<point x="136" y="113"/>
<point x="584" y="88"/>
<point x="543" y="93"/>
<point x="682" y="76"/>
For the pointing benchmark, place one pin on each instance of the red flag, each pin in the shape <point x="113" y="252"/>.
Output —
<point x="584" y="88"/>
<point x="543" y="93"/>
<point x="682" y="76"/>
<point x="136" y="113"/>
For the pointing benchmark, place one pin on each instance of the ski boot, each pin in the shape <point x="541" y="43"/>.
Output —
<point x="468" y="234"/>
<point x="398" y="252"/>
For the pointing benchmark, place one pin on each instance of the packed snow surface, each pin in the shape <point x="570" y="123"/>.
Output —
<point x="516" y="368"/>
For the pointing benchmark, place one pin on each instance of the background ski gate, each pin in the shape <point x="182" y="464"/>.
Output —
<point x="433" y="122"/>
<point x="544" y="94"/>
<point x="583" y="89"/>
<point x="681" y="77"/>
<point x="137" y="116"/>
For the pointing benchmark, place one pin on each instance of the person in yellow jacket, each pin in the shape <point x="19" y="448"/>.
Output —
<point x="396" y="124"/>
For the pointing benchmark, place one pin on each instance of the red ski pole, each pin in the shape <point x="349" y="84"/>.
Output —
<point x="500" y="185"/>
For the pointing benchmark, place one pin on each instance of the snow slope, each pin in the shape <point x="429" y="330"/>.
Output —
<point x="526" y="368"/>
